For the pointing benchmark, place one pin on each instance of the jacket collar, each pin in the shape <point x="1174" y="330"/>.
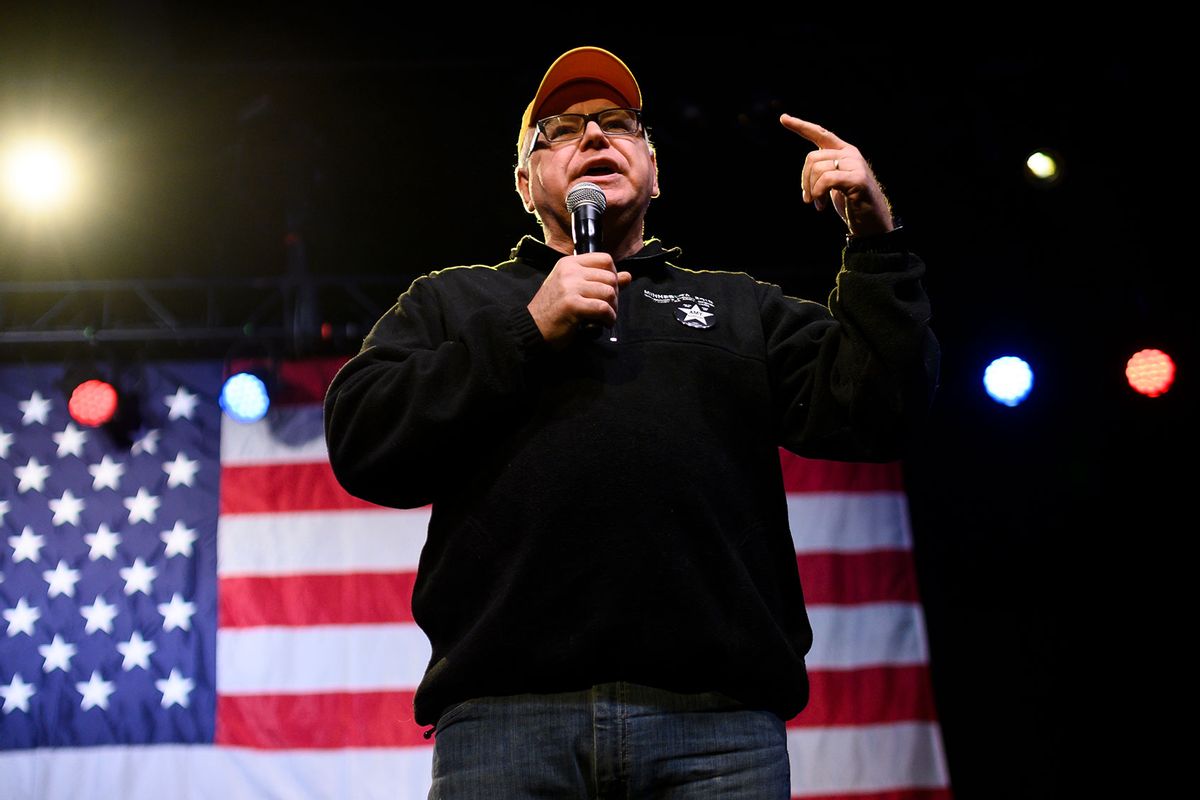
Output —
<point x="543" y="257"/>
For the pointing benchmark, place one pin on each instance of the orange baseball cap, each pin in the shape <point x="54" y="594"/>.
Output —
<point x="582" y="64"/>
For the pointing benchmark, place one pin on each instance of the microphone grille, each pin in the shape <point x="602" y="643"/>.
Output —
<point x="586" y="194"/>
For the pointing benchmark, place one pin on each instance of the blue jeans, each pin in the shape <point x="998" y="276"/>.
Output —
<point x="616" y="740"/>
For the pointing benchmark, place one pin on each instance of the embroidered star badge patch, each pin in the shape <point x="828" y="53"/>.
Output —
<point x="694" y="316"/>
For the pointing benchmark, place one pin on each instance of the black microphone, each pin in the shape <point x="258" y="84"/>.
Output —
<point x="586" y="204"/>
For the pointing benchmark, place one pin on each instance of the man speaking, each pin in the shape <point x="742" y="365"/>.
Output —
<point x="609" y="584"/>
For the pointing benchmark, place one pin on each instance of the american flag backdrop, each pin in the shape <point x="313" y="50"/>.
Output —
<point x="197" y="610"/>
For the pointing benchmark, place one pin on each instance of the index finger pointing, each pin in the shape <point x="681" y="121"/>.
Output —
<point x="811" y="131"/>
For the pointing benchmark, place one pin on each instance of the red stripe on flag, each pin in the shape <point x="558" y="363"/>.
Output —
<point x="350" y="598"/>
<point x="318" y="721"/>
<point x="297" y="600"/>
<point x="868" y="697"/>
<point x="278" y="488"/>
<point x="306" y="382"/>
<point x="813" y="475"/>
<point x="877" y="576"/>
<point x="894" y="794"/>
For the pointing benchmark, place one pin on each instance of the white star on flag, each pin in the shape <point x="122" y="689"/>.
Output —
<point x="106" y="474"/>
<point x="57" y="654"/>
<point x="3" y="510"/>
<point x="34" y="409"/>
<point x="148" y="443"/>
<point x="143" y="507"/>
<point x="70" y="441"/>
<point x="21" y="618"/>
<point x="177" y="613"/>
<point x="95" y="691"/>
<point x="66" y="509"/>
<point x="175" y="689"/>
<point x="182" y="404"/>
<point x="103" y="543"/>
<point x="138" y="578"/>
<point x="6" y="440"/>
<point x="181" y="470"/>
<point x="16" y="695"/>
<point x="62" y="580"/>
<point x="696" y="313"/>
<point x="27" y="546"/>
<point x="99" y="616"/>
<point x="136" y="651"/>
<point x="179" y="540"/>
<point x="31" y="476"/>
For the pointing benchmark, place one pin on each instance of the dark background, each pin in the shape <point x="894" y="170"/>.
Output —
<point x="1047" y="536"/>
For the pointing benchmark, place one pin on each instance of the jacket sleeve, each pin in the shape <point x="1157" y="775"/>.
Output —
<point x="405" y="412"/>
<point x="854" y="381"/>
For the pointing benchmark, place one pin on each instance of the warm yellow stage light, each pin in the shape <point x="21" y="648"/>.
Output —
<point x="1042" y="165"/>
<point x="38" y="176"/>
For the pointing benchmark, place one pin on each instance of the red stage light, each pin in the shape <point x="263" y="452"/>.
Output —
<point x="93" y="403"/>
<point x="1150" y="372"/>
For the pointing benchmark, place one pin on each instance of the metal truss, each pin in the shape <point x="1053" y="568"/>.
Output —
<point x="294" y="314"/>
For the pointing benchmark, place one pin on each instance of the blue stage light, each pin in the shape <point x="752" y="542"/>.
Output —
<point x="1008" y="380"/>
<point x="244" y="397"/>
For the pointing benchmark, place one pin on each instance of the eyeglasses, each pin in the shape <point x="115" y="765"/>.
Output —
<point x="565" y="127"/>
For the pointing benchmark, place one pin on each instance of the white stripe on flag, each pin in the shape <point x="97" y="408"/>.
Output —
<point x="390" y="540"/>
<point x="867" y="635"/>
<point x="287" y="435"/>
<point x="848" y="522"/>
<point x="276" y="660"/>
<point x="867" y="758"/>
<point x="204" y="772"/>
<point x="316" y="542"/>
<point x="322" y="658"/>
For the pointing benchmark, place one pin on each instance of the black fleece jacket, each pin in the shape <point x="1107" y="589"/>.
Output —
<point x="615" y="511"/>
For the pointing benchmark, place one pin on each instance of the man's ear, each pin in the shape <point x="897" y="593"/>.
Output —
<point x="521" y="175"/>
<point x="654" y="161"/>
